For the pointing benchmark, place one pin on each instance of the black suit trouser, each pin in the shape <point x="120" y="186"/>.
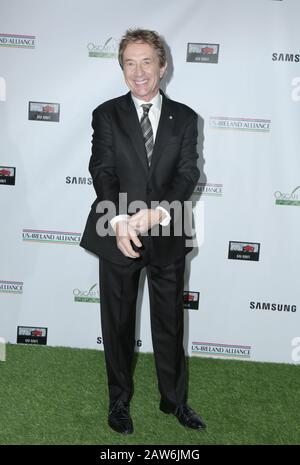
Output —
<point x="118" y="296"/>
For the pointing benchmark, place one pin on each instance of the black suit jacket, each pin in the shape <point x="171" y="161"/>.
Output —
<point x="119" y="165"/>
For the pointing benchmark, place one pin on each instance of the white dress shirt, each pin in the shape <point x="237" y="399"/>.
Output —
<point x="154" y="115"/>
<point x="154" y="112"/>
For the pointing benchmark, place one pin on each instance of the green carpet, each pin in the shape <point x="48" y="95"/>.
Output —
<point x="59" y="396"/>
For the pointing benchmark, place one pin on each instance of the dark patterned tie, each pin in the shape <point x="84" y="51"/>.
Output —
<point x="147" y="131"/>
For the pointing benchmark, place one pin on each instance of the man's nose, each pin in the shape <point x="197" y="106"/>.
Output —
<point x="139" y="70"/>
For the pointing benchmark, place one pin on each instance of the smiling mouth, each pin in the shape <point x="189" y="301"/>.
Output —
<point x="139" y="83"/>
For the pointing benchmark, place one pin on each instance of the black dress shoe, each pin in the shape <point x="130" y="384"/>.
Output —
<point x="186" y="416"/>
<point x="119" y="418"/>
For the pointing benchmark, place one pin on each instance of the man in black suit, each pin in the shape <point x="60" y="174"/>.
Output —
<point x="144" y="169"/>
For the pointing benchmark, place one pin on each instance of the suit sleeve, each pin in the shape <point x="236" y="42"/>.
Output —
<point x="187" y="172"/>
<point x="102" y="162"/>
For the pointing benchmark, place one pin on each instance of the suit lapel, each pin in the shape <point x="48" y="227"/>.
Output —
<point x="132" y="126"/>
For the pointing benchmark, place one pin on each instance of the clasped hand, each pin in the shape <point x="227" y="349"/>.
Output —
<point x="128" y="230"/>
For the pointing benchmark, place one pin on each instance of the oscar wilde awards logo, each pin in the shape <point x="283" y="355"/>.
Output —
<point x="202" y="53"/>
<point x="288" y="199"/>
<point x="17" y="41"/>
<point x="11" y="287"/>
<point x="42" y="111"/>
<point x="91" y="295"/>
<point x="107" y="50"/>
<point x="58" y="237"/>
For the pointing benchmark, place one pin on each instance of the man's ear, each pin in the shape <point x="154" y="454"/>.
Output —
<point x="163" y="70"/>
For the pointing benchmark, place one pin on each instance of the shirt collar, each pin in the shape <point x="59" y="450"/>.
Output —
<point x="156" y="101"/>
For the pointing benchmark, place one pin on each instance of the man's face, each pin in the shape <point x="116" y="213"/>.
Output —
<point x="142" y="71"/>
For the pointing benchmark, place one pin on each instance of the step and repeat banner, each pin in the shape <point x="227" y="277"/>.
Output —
<point x="237" y="64"/>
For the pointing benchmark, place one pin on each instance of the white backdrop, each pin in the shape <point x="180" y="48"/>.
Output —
<point x="248" y="309"/>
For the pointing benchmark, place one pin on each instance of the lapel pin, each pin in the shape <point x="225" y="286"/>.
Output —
<point x="170" y="117"/>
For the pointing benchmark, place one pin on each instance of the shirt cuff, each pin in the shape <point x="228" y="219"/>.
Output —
<point x="167" y="219"/>
<point x="117" y="218"/>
